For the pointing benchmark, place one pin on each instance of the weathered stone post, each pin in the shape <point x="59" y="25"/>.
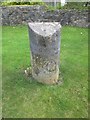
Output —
<point x="45" y="51"/>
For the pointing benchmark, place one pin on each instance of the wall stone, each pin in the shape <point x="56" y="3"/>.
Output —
<point x="13" y="15"/>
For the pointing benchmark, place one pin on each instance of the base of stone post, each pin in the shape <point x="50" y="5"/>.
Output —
<point x="28" y="73"/>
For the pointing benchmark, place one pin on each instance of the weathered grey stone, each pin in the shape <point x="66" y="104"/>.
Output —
<point x="24" y="14"/>
<point x="45" y="51"/>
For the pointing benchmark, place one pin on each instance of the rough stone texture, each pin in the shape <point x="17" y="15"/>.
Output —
<point x="45" y="51"/>
<point x="24" y="14"/>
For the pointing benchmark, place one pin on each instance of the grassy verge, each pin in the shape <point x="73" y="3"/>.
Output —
<point x="49" y="6"/>
<point x="25" y="98"/>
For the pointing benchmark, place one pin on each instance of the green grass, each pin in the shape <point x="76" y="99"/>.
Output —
<point x="25" y="98"/>
<point x="69" y="5"/>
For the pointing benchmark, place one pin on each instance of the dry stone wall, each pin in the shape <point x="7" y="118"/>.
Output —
<point x="24" y="14"/>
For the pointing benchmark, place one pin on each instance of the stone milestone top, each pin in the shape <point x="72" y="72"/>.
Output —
<point x="45" y="28"/>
